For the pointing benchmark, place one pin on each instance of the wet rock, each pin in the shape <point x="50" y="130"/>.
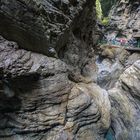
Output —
<point x="51" y="98"/>
<point x="43" y="102"/>
<point x="123" y="56"/>
<point x="132" y="59"/>
<point x="124" y="73"/>
<point x="125" y="104"/>
<point x="109" y="70"/>
<point x="89" y="98"/>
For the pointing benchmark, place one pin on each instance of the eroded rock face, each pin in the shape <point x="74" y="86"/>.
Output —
<point x="44" y="97"/>
<point x="111" y="62"/>
<point x="62" y="28"/>
<point x="125" y="104"/>
<point x="124" y="97"/>
<point x="54" y="98"/>
<point x="38" y="101"/>
<point x="44" y="24"/>
<point x="125" y="15"/>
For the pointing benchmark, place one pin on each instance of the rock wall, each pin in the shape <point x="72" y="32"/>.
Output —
<point x="124" y="96"/>
<point x="62" y="28"/>
<point x="38" y="100"/>
<point x="39" y="25"/>
<point x="125" y="16"/>
<point x="43" y="97"/>
<point x="46" y="78"/>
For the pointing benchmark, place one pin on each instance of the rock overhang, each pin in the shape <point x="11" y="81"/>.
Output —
<point x="39" y="25"/>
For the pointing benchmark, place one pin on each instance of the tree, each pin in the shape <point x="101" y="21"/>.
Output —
<point x="99" y="10"/>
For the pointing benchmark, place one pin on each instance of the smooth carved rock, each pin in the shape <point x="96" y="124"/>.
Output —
<point x="38" y="100"/>
<point x="90" y="99"/>
<point x="125" y="104"/>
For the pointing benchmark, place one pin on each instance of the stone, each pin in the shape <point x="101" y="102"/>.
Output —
<point x="127" y="18"/>
<point x="89" y="98"/>
<point x="41" y="95"/>
<point x="37" y="25"/>
<point x="48" y="104"/>
<point x="125" y="104"/>
<point x="48" y="79"/>
<point x="132" y="59"/>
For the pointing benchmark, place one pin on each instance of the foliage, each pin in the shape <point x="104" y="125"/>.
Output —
<point x="99" y="10"/>
<point x="105" y="21"/>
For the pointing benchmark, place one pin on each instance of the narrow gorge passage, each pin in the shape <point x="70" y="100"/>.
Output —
<point x="60" y="78"/>
<point x="119" y="70"/>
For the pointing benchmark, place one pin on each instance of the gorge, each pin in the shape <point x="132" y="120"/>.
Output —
<point x="56" y="83"/>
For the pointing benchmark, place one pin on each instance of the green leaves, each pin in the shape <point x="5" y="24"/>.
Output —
<point x="99" y="10"/>
<point x="100" y="16"/>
